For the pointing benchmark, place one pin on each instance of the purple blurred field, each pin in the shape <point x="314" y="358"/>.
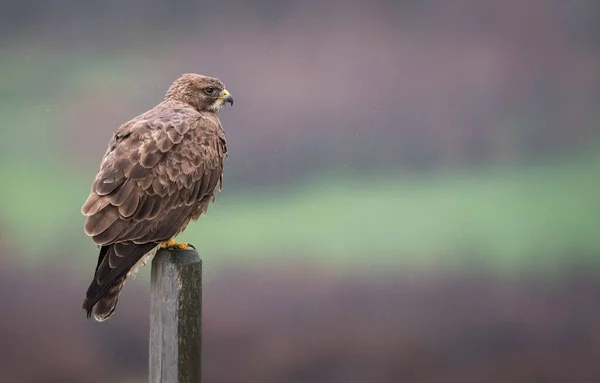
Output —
<point x="290" y="323"/>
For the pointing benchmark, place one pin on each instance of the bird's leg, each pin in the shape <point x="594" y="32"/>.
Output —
<point x="172" y="245"/>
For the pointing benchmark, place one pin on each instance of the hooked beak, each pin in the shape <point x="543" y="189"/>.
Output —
<point x="226" y="97"/>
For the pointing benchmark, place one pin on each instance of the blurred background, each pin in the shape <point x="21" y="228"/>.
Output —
<point x="411" y="192"/>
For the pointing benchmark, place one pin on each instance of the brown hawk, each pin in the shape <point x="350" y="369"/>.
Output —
<point x="161" y="170"/>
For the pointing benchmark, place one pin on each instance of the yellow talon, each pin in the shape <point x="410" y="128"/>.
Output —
<point x="172" y="245"/>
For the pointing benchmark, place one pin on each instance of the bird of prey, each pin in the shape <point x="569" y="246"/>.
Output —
<point x="161" y="170"/>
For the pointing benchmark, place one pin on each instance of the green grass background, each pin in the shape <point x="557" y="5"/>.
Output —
<point x="503" y="217"/>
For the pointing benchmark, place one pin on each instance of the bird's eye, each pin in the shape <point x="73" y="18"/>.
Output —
<point x="209" y="91"/>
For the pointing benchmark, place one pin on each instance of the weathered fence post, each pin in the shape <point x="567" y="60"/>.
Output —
<point x="176" y="317"/>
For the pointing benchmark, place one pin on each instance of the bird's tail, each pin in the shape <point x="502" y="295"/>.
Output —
<point x="114" y="264"/>
<point x="108" y="303"/>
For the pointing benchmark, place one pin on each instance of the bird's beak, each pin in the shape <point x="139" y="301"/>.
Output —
<point x="226" y="97"/>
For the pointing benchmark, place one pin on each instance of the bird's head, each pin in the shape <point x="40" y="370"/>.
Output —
<point x="202" y="92"/>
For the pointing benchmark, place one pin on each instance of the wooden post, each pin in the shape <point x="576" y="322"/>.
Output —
<point x="176" y="317"/>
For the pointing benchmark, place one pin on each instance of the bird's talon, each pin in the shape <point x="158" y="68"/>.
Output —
<point x="172" y="245"/>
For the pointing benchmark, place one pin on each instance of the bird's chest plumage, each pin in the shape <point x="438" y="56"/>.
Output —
<point x="199" y="160"/>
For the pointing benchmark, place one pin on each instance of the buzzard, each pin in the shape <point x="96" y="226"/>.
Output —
<point x="161" y="170"/>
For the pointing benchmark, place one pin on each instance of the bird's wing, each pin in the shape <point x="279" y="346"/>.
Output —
<point x="149" y="183"/>
<point x="149" y="179"/>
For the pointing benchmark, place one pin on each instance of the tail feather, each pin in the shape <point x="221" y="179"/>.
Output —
<point x="108" y="303"/>
<point x="114" y="263"/>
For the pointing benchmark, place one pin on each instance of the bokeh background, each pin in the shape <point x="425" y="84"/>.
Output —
<point x="411" y="193"/>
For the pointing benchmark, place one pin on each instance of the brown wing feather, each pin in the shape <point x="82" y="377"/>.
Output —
<point x="150" y="184"/>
